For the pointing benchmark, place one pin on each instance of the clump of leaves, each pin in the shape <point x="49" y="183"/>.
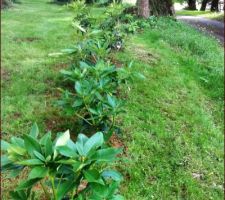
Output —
<point x="81" y="12"/>
<point x="61" y="165"/>
<point x="93" y="96"/>
<point x="128" y="75"/>
<point x="92" y="50"/>
<point x="114" y="9"/>
<point x="92" y="45"/>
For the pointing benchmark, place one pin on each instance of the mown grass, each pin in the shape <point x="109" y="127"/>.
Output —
<point x="192" y="12"/>
<point x="173" y="126"/>
<point x="206" y="14"/>
<point x="29" y="77"/>
<point x="30" y="31"/>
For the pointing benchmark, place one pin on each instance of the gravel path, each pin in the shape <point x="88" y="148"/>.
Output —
<point x="213" y="27"/>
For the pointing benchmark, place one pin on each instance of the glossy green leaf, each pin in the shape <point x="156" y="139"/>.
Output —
<point x="63" y="139"/>
<point x="77" y="103"/>
<point x="81" y="140"/>
<point x="38" y="172"/>
<point x="48" y="158"/>
<point x="5" y="161"/>
<point x="64" y="188"/>
<point x="111" y="101"/>
<point x="93" y="111"/>
<point x="45" y="138"/>
<point x="66" y="151"/>
<point x="39" y="156"/>
<point x="48" y="146"/>
<point x="68" y="51"/>
<point x="117" y="197"/>
<point x="106" y="155"/>
<point x="72" y="145"/>
<point x="83" y="65"/>
<point x="112" y="188"/>
<point x="30" y="162"/>
<point x="4" y="145"/>
<point x="31" y="144"/>
<point x="112" y="174"/>
<point x="93" y="176"/>
<point x="76" y="24"/>
<point x="16" y="150"/>
<point x="34" y="131"/>
<point x="78" y="87"/>
<point x="66" y="72"/>
<point x="78" y="165"/>
<point x="93" y="142"/>
<point x="17" y="141"/>
<point x="67" y="162"/>
<point x="99" y="191"/>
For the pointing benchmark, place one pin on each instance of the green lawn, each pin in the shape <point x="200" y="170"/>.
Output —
<point x="173" y="127"/>
<point x="174" y="121"/>
<point x="206" y="14"/>
<point x="30" y="31"/>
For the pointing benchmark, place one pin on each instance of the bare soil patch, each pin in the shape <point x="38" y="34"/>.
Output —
<point x="143" y="54"/>
<point x="5" y="74"/>
<point x="27" y="39"/>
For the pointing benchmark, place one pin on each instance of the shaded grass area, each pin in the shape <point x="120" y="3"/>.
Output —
<point x="174" y="118"/>
<point x="29" y="77"/>
<point x="206" y="14"/>
<point x="219" y="17"/>
<point x="30" y="31"/>
<point x="192" y="12"/>
<point x="173" y="125"/>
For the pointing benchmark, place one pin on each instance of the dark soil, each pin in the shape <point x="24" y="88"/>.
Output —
<point x="5" y="74"/>
<point x="27" y="39"/>
<point x="116" y="142"/>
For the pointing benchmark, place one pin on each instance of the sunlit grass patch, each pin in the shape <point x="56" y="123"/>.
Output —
<point x="207" y="14"/>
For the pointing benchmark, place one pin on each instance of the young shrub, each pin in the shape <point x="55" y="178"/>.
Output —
<point x="61" y="165"/>
<point x="128" y="75"/>
<point x="83" y="15"/>
<point x="92" y="98"/>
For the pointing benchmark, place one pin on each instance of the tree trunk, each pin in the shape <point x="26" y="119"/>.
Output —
<point x="161" y="7"/>
<point x="6" y="3"/>
<point x="215" y="6"/>
<point x="192" y="4"/>
<point x="143" y="8"/>
<point x="204" y="4"/>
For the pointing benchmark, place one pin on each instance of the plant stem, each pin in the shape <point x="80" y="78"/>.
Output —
<point x="110" y="129"/>
<point x="92" y="118"/>
<point x="45" y="191"/>
<point x="59" y="181"/>
<point x="53" y="188"/>
<point x="83" y="119"/>
<point x="113" y="122"/>
<point x="75" y="190"/>
<point x="73" y="193"/>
